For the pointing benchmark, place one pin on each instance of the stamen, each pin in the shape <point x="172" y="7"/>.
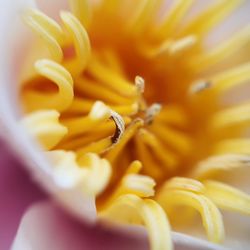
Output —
<point x="45" y="127"/>
<point x="120" y="127"/>
<point x="48" y="30"/>
<point x="96" y="91"/>
<point x="174" y="17"/>
<point x="111" y="79"/>
<point x="181" y="45"/>
<point x="141" y="14"/>
<point x="231" y="117"/>
<point x="128" y="110"/>
<point x="101" y="131"/>
<point x="140" y="185"/>
<point x="82" y="10"/>
<point x="140" y="84"/>
<point x="227" y="197"/>
<point x="175" y="139"/>
<point x="150" y="212"/>
<point x="173" y="115"/>
<point x="223" y="51"/>
<point x="55" y="72"/>
<point x="170" y="47"/>
<point x="211" y="216"/>
<point x="105" y="144"/>
<point x="97" y="147"/>
<point x="203" y="23"/>
<point x="186" y="184"/>
<point x="230" y="146"/>
<point x="166" y="157"/>
<point x="151" y="112"/>
<point x="135" y="167"/>
<point x="231" y="78"/>
<point x="150" y="166"/>
<point x="199" y="87"/>
<point x="98" y="114"/>
<point x="213" y="165"/>
<point x="133" y="183"/>
<point x="128" y="134"/>
<point x="91" y="174"/>
<point x="80" y="38"/>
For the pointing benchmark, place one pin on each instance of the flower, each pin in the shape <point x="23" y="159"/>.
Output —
<point x="132" y="115"/>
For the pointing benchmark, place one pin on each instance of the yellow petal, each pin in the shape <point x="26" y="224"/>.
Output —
<point x="227" y="197"/>
<point x="211" y="217"/>
<point x="45" y="127"/>
<point x="152" y="215"/>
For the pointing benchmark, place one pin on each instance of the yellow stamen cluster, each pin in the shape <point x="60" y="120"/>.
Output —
<point x="127" y="111"/>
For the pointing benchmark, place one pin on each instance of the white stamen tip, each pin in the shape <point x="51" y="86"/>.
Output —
<point x="140" y="84"/>
<point x="151" y="112"/>
<point x="199" y="86"/>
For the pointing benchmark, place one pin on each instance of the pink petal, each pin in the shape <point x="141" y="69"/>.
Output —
<point x="12" y="48"/>
<point x="44" y="226"/>
<point x="17" y="192"/>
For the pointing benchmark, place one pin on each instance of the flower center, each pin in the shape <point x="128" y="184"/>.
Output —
<point x="120" y="105"/>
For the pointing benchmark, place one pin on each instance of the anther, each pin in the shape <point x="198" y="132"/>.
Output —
<point x="199" y="87"/>
<point x="140" y="84"/>
<point x="151" y="112"/>
<point x="120" y="127"/>
<point x="182" y="44"/>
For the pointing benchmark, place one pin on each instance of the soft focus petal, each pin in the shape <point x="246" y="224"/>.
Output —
<point x="44" y="226"/>
<point x="17" y="192"/>
<point x="12" y="48"/>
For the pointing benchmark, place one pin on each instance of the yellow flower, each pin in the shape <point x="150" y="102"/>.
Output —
<point x="129" y="109"/>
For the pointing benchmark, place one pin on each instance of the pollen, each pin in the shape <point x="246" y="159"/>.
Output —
<point x="129" y="109"/>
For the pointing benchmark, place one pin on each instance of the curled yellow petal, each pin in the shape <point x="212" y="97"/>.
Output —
<point x="203" y="23"/>
<point x="48" y="30"/>
<point x="230" y="146"/>
<point x="225" y="50"/>
<point x="231" y="117"/>
<point x="175" y="15"/>
<point x="151" y="214"/>
<point x="82" y="10"/>
<point x="91" y="174"/>
<point x="214" y="164"/>
<point x="186" y="184"/>
<point x="62" y="79"/>
<point x="45" y="127"/>
<point x="227" y="197"/>
<point x="141" y="15"/>
<point x="230" y="78"/>
<point x="80" y="38"/>
<point x="99" y="173"/>
<point x="211" y="217"/>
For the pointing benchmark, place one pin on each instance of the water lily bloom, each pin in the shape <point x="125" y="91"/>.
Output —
<point x="134" y="117"/>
